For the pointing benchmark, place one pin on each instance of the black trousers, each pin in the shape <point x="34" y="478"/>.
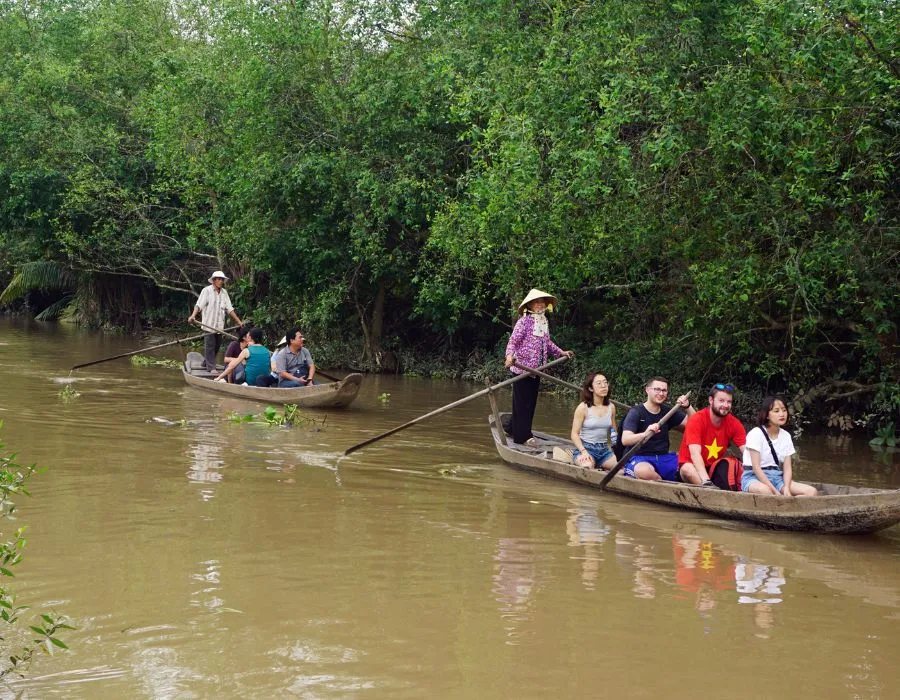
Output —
<point x="524" y="401"/>
<point x="211" y="344"/>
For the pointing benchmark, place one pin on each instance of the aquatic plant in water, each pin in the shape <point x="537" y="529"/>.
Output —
<point x="385" y="398"/>
<point x="884" y="437"/>
<point x="68" y="393"/>
<point x="290" y="416"/>
<point x="145" y="361"/>
<point x="18" y="654"/>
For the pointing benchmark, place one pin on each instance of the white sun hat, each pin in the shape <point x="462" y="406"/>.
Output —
<point x="537" y="294"/>
<point x="217" y="273"/>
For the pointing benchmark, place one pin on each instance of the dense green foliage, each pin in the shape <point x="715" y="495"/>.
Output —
<point x="711" y="189"/>
<point x="19" y="647"/>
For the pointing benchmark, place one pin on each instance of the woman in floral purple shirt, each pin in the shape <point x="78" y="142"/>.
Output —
<point x="530" y="346"/>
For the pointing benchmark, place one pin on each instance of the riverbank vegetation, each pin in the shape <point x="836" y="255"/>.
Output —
<point x="710" y="189"/>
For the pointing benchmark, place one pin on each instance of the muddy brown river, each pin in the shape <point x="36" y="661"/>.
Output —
<point x="240" y="560"/>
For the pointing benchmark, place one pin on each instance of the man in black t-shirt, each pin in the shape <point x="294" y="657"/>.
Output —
<point x="654" y="462"/>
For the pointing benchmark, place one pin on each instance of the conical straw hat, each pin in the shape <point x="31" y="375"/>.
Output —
<point x="537" y="294"/>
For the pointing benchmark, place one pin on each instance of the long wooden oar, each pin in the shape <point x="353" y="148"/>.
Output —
<point x="448" y="407"/>
<point x="634" y="448"/>
<point x="564" y="383"/>
<point x="216" y="331"/>
<point x="138" y="352"/>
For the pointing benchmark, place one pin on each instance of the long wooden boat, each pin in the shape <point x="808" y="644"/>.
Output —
<point x="333" y="395"/>
<point x="838" y="509"/>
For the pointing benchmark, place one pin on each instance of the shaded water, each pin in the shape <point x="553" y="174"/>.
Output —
<point x="241" y="560"/>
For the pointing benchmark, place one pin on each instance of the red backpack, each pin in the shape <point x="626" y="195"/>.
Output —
<point x="727" y="473"/>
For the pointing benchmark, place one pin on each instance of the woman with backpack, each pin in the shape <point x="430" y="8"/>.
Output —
<point x="768" y="454"/>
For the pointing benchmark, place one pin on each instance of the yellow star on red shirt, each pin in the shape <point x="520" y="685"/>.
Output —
<point x="714" y="449"/>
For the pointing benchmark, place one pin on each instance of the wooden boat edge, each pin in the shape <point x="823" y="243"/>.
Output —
<point x="839" y="514"/>
<point x="332" y="395"/>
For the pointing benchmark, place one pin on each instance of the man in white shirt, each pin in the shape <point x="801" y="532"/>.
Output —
<point x="214" y="303"/>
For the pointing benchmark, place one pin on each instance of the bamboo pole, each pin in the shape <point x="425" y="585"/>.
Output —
<point x="564" y="383"/>
<point x="448" y="407"/>
<point x="177" y="341"/>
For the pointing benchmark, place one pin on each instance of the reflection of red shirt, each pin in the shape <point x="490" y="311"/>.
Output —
<point x="706" y="566"/>
<point x="713" y="441"/>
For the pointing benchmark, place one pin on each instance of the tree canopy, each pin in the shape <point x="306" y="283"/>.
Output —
<point x="711" y="189"/>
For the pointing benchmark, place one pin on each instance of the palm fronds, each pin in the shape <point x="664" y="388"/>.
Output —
<point x="56" y="309"/>
<point x="41" y="275"/>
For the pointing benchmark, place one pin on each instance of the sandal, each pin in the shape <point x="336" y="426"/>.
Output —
<point x="532" y="442"/>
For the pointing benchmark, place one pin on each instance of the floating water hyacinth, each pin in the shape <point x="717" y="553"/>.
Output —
<point x="145" y="361"/>
<point x="68" y="393"/>
<point x="272" y="416"/>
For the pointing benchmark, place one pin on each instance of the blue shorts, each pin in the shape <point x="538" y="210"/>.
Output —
<point x="776" y="476"/>
<point x="666" y="465"/>
<point x="598" y="450"/>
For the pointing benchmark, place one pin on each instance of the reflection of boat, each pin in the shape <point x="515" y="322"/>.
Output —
<point x="857" y="567"/>
<point x="333" y="395"/>
<point x="839" y="509"/>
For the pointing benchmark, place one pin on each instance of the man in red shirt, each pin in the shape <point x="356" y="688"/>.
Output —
<point x="707" y="435"/>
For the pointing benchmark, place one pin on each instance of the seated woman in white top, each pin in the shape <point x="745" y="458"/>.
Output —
<point x="592" y="424"/>
<point x="767" y="457"/>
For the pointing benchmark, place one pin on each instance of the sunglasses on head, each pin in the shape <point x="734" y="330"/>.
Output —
<point x="723" y="387"/>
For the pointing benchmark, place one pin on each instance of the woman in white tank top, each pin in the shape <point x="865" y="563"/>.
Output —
<point x="593" y="425"/>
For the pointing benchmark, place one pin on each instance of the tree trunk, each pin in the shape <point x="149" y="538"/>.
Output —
<point x="378" y="323"/>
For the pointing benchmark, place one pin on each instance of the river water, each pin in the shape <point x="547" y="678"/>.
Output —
<point x="242" y="560"/>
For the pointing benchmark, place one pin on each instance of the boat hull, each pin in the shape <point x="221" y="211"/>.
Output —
<point x="840" y="509"/>
<point x="333" y="395"/>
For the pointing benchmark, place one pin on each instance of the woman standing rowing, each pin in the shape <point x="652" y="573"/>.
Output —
<point x="530" y="346"/>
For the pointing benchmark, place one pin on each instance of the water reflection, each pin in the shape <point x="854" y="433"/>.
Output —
<point x="209" y="578"/>
<point x="205" y="461"/>
<point x="587" y="531"/>
<point x="639" y="560"/>
<point x="760" y="585"/>
<point x="514" y="581"/>
<point x="413" y="577"/>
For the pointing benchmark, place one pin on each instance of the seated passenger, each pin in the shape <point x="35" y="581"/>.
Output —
<point x="593" y="424"/>
<point x="256" y="357"/>
<point x="707" y="436"/>
<point x="234" y="349"/>
<point x="272" y="378"/>
<point x="767" y="459"/>
<point x="653" y="461"/>
<point x="294" y="364"/>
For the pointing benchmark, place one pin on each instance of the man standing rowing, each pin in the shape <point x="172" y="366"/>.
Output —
<point x="214" y="303"/>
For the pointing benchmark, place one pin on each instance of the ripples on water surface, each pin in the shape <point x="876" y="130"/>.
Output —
<point x="242" y="560"/>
